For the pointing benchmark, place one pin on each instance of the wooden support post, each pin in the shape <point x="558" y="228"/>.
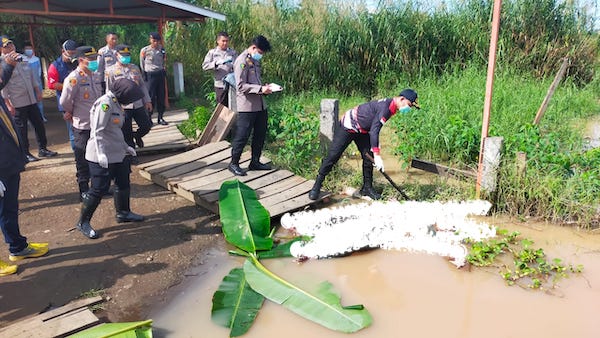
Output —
<point x="329" y="121"/>
<point x="551" y="90"/>
<point x="489" y="86"/>
<point x="521" y="163"/>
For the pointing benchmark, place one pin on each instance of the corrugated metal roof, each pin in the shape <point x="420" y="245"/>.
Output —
<point x="73" y="12"/>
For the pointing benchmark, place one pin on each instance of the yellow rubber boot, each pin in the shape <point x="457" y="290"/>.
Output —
<point x="7" y="269"/>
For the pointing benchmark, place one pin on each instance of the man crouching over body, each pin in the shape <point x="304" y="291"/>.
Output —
<point x="109" y="155"/>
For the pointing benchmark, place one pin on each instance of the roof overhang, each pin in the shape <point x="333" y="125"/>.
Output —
<point x="77" y="12"/>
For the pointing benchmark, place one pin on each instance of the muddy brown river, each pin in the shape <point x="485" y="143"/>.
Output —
<point x="412" y="295"/>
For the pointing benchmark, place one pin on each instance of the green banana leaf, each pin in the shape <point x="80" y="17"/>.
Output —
<point x="324" y="309"/>
<point x="246" y="223"/>
<point x="141" y="329"/>
<point x="235" y="305"/>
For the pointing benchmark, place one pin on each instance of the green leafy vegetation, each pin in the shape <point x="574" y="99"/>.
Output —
<point x="246" y="225"/>
<point x="530" y="267"/>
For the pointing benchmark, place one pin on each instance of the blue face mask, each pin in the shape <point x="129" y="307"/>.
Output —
<point x="125" y="59"/>
<point x="28" y="52"/>
<point x="404" y="110"/>
<point x="257" y="56"/>
<point x="93" y="65"/>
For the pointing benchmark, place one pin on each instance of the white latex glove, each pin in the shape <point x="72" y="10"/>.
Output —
<point x="2" y="189"/>
<point x="378" y="162"/>
<point x="131" y="151"/>
<point x="103" y="160"/>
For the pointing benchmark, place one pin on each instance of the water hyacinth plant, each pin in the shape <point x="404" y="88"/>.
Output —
<point x="246" y="225"/>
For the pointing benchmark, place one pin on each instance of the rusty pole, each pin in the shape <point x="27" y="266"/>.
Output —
<point x="489" y="86"/>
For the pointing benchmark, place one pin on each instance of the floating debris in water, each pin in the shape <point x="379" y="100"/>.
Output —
<point x="438" y="228"/>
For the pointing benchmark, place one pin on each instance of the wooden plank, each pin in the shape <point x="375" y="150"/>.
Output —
<point x="561" y="73"/>
<point x="210" y="192"/>
<point x="218" y="126"/>
<point x="189" y="156"/>
<point x="66" y="324"/>
<point x="214" y="173"/>
<point x="302" y="188"/>
<point x="442" y="170"/>
<point x="278" y="187"/>
<point x="293" y="204"/>
<point x="28" y="324"/>
<point x="176" y="174"/>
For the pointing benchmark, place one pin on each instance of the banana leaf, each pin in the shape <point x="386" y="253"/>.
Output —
<point x="142" y="329"/>
<point x="235" y="305"/>
<point x="246" y="223"/>
<point x="324" y="308"/>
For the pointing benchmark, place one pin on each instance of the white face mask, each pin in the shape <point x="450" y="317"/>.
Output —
<point x="29" y="52"/>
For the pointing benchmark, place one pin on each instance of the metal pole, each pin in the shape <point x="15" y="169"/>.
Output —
<point x="489" y="86"/>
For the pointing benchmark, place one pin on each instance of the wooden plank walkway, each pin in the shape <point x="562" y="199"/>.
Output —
<point x="197" y="175"/>
<point x="165" y="138"/>
<point x="58" y="322"/>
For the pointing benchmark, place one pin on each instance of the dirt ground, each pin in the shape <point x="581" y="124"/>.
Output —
<point x="132" y="264"/>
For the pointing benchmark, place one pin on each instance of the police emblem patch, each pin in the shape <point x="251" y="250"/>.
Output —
<point x="105" y="107"/>
<point x="73" y="81"/>
<point x="86" y="95"/>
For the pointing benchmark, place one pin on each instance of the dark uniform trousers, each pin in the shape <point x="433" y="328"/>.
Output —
<point x="341" y="140"/>
<point x="222" y="95"/>
<point x="9" y="211"/>
<point x="101" y="177"/>
<point x="143" y="121"/>
<point x="81" y="138"/>
<point x="156" y="89"/>
<point x="31" y="113"/>
<point x="246" y="122"/>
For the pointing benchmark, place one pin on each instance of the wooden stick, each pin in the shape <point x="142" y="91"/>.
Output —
<point x="553" y="86"/>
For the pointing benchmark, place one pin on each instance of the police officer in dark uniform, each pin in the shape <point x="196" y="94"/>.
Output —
<point x="251" y="106"/>
<point x="152" y="63"/>
<point x="362" y="125"/>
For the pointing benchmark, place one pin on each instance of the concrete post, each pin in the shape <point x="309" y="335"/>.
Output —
<point x="330" y="111"/>
<point x="491" y="162"/>
<point x="178" y="79"/>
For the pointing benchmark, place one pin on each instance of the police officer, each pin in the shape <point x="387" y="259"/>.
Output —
<point x="58" y="72"/>
<point x="220" y="61"/>
<point x="137" y="110"/>
<point x="152" y="62"/>
<point x="107" y="55"/>
<point x="362" y="125"/>
<point x="109" y="155"/>
<point x="21" y="95"/>
<point x="252" y="109"/>
<point x="80" y="90"/>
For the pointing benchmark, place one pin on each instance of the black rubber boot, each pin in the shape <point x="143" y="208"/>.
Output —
<point x="314" y="193"/>
<point x="234" y="165"/>
<point x="83" y="188"/>
<point x="88" y="206"/>
<point x="367" y="188"/>
<point x="256" y="165"/>
<point x="124" y="214"/>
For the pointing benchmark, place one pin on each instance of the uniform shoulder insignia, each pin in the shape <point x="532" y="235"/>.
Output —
<point x="81" y="73"/>
<point x="105" y="107"/>
<point x="73" y="81"/>
<point x="114" y="99"/>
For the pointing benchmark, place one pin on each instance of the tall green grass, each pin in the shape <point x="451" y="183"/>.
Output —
<point x="332" y="46"/>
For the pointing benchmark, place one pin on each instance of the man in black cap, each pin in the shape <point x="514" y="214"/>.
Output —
<point x="21" y="95"/>
<point x="137" y="110"/>
<point x="152" y="61"/>
<point x="109" y="155"/>
<point x="362" y="125"/>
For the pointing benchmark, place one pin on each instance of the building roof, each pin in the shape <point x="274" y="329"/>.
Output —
<point x="74" y="12"/>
